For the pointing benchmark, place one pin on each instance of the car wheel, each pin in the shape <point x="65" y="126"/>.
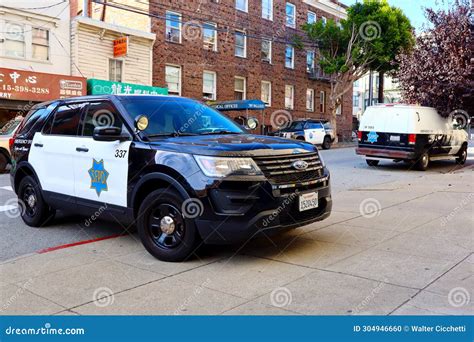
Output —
<point x="326" y="143"/>
<point x="300" y="138"/>
<point x="423" y="162"/>
<point x="372" y="162"/>
<point x="164" y="231"/>
<point x="35" y="212"/>
<point x="3" y="162"/>
<point x="462" y="156"/>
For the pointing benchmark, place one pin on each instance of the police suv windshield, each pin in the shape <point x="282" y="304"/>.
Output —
<point x="168" y="116"/>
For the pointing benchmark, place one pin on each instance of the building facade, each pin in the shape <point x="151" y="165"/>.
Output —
<point x="220" y="50"/>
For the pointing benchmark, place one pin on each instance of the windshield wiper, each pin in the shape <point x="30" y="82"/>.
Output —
<point x="171" y="134"/>
<point x="221" y="132"/>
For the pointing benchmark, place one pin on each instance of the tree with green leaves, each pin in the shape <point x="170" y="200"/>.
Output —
<point x="373" y="34"/>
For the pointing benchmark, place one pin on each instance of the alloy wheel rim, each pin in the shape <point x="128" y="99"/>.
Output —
<point x="30" y="201"/>
<point x="166" y="226"/>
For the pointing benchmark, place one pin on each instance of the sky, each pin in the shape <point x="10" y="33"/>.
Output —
<point x="412" y="8"/>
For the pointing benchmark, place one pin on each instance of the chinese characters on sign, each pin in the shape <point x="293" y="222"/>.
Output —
<point x="101" y="87"/>
<point x="36" y="86"/>
<point x="120" y="47"/>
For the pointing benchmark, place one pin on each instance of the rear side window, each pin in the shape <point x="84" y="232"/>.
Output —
<point x="32" y="120"/>
<point x="66" y="120"/>
<point x="314" y="125"/>
<point x="101" y="114"/>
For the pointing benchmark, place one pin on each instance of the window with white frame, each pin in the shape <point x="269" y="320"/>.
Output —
<point x="339" y="106"/>
<point x="40" y="44"/>
<point x="209" y="81"/>
<point x="240" y="44"/>
<point x="15" y="40"/>
<point x="242" y="5"/>
<point x="173" y="79"/>
<point x="290" y="15"/>
<point x="173" y="27"/>
<point x="289" y="97"/>
<point x="240" y="88"/>
<point x="310" y="100"/>
<point x="267" y="9"/>
<point x="267" y="93"/>
<point x="209" y="36"/>
<point x="322" y="101"/>
<point x="311" y="18"/>
<point x="290" y="57"/>
<point x="267" y="50"/>
<point x="324" y="20"/>
<point x="115" y="70"/>
<point x="310" y="61"/>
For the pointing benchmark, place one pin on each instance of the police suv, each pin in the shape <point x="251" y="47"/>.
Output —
<point x="317" y="132"/>
<point x="181" y="171"/>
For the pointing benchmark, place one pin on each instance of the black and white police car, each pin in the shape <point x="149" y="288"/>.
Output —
<point x="316" y="132"/>
<point x="181" y="171"/>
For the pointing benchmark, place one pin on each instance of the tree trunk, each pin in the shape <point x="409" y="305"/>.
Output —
<point x="332" y="120"/>
<point x="381" y="86"/>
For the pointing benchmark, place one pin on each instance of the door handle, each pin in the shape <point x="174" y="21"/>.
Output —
<point x="82" y="149"/>
<point x="38" y="145"/>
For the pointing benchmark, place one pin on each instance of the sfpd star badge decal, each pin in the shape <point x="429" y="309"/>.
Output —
<point x="98" y="176"/>
<point x="372" y="137"/>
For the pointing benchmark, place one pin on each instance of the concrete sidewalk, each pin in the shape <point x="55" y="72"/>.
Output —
<point x="395" y="248"/>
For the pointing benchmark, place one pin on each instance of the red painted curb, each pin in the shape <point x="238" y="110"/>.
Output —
<point x="51" y="249"/>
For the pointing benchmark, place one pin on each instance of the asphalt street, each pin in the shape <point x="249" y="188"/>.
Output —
<point x="348" y="172"/>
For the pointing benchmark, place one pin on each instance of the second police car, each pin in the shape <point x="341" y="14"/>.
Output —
<point x="183" y="173"/>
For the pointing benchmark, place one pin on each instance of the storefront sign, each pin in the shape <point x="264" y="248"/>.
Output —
<point x="101" y="87"/>
<point x="120" y="47"/>
<point x="37" y="86"/>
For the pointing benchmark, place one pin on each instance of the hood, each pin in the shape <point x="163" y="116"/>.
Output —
<point x="233" y="145"/>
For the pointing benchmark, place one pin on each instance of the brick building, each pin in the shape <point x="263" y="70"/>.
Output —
<point x="233" y="49"/>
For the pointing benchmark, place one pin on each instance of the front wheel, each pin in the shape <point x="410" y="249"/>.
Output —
<point x="372" y="162"/>
<point x="326" y="143"/>
<point x="163" y="228"/>
<point x="35" y="212"/>
<point x="462" y="156"/>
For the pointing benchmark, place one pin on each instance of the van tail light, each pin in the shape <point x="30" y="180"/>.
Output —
<point x="411" y="139"/>
<point x="11" y="141"/>
<point x="359" y="135"/>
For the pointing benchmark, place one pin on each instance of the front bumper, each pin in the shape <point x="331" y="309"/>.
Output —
<point x="385" y="153"/>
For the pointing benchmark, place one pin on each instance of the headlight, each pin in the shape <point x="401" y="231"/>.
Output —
<point x="223" y="167"/>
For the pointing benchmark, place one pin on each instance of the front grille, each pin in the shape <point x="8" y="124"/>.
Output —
<point x="279" y="169"/>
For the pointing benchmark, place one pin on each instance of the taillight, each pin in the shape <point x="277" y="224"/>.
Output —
<point x="10" y="143"/>
<point x="359" y="135"/>
<point x="411" y="139"/>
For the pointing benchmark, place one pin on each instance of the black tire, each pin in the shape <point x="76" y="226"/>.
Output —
<point x="462" y="156"/>
<point x="372" y="162"/>
<point x="35" y="212"/>
<point x="300" y="138"/>
<point x="423" y="162"/>
<point x="184" y="239"/>
<point x="326" y="143"/>
<point x="4" y="161"/>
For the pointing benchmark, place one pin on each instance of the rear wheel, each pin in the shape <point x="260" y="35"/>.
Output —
<point x="164" y="231"/>
<point x="462" y="156"/>
<point x="372" y="162"/>
<point x="35" y="212"/>
<point x="326" y="143"/>
<point x="423" y="162"/>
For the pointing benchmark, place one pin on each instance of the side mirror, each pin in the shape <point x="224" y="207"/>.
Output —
<point x="109" y="134"/>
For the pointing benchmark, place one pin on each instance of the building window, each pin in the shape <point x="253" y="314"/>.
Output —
<point x="267" y="50"/>
<point x="310" y="62"/>
<point x="267" y="93"/>
<point x="356" y="100"/>
<point x="173" y="27"/>
<point x="15" y="40"/>
<point x="209" y="85"/>
<point x="267" y="9"/>
<point x="289" y="97"/>
<point x="290" y="57"/>
<point x="324" y="20"/>
<point x="115" y="70"/>
<point x="339" y="106"/>
<point x="242" y="5"/>
<point x="173" y="79"/>
<point x="240" y="88"/>
<point x="322" y="101"/>
<point x="311" y="17"/>
<point x="40" y="44"/>
<point x="290" y="15"/>
<point x="310" y="100"/>
<point x="210" y="36"/>
<point x="240" y="44"/>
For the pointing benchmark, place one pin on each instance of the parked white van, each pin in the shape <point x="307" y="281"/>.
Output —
<point x="410" y="133"/>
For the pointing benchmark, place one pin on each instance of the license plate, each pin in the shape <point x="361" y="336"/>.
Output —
<point x="395" y="138"/>
<point x="308" y="201"/>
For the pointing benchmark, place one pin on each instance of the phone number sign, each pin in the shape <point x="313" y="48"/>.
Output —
<point x="37" y="86"/>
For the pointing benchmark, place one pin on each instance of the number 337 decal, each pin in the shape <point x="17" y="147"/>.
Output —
<point x="120" y="153"/>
